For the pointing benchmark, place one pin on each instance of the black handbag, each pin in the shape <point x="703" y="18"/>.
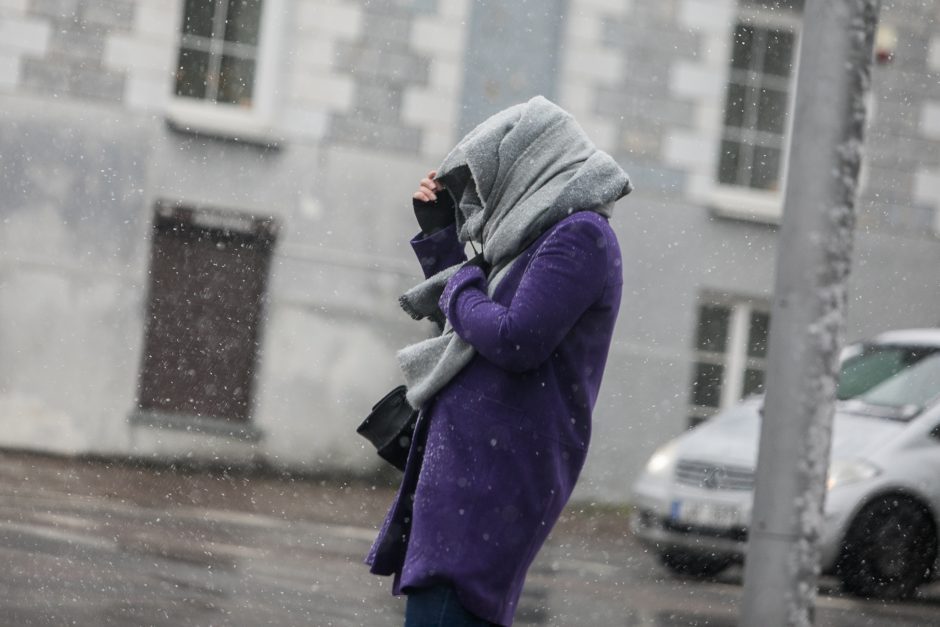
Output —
<point x="390" y="427"/>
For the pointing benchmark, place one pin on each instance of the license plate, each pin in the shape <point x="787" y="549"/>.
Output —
<point x="702" y="514"/>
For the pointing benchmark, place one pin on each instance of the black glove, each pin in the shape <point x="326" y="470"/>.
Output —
<point x="480" y="263"/>
<point x="435" y="215"/>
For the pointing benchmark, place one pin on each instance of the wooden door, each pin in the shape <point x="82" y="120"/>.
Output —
<point x="207" y="284"/>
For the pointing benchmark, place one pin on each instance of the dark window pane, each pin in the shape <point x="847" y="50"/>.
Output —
<point x="197" y="17"/>
<point x="236" y="81"/>
<point x="728" y="163"/>
<point x="765" y="173"/>
<point x="757" y="334"/>
<point x="753" y="382"/>
<point x="772" y="111"/>
<point x="734" y="106"/>
<point x="876" y="364"/>
<point x="243" y="21"/>
<point x="706" y="386"/>
<point x="743" y="47"/>
<point x="191" y="71"/>
<point x="778" y="57"/>
<point x="713" y="328"/>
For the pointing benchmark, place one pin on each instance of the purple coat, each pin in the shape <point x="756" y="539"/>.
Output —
<point x="505" y="440"/>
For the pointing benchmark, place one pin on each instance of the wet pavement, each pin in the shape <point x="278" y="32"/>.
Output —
<point x="90" y="543"/>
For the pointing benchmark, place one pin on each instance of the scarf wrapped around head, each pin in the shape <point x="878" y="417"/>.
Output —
<point x="512" y="178"/>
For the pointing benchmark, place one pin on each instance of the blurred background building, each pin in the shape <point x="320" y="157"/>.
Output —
<point x="205" y="206"/>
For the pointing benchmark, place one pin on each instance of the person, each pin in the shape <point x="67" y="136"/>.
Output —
<point x="506" y="390"/>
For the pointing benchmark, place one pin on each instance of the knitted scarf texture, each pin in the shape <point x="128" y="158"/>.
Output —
<point x="512" y="178"/>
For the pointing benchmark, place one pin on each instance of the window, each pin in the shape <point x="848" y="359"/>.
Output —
<point x="218" y="54"/>
<point x="730" y="354"/>
<point x="759" y="95"/>
<point x="208" y="277"/>
<point x="875" y="364"/>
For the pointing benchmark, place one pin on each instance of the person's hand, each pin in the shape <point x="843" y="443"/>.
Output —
<point x="434" y="212"/>
<point x="428" y="188"/>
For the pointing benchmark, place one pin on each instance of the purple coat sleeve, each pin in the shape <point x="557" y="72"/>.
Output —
<point x="567" y="274"/>
<point x="438" y="251"/>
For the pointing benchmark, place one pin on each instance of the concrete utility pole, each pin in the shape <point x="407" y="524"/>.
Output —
<point x="813" y="262"/>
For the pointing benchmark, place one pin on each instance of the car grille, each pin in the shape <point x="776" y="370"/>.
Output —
<point x="714" y="476"/>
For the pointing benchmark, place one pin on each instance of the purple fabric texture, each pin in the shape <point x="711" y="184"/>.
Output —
<point x="497" y="452"/>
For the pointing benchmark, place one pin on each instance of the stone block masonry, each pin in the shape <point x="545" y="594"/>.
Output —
<point x="380" y="64"/>
<point x="63" y="46"/>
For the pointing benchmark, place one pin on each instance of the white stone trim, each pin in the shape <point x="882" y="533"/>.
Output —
<point x="696" y="81"/>
<point x="429" y="109"/>
<point x="613" y="8"/>
<point x="326" y="90"/>
<point x="446" y="74"/>
<point x="132" y="52"/>
<point x="703" y="82"/>
<point x="151" y="18"/>
<point x="927" y="191"/>
<point x="742" y="203"/>
<point x="20" y="35"/>
<point x="435" y="108"/>
<point x="312" y="88"/>
<point x="334" y="18"/>
<point x="593" y="63"/>
<point x="306" y="123"/>
<point x="8" y="7"/>
<point x="584" y="29"/>
<point x="930" y="120"/>
<point x="145" y="92"/>
<point x="689" y="150"/>
<point x="459" y="10"/>
<point x="706" y="15"/>
<point x="933" y="54"/>
<point x="732" y="383"/>
<point x="146" y="54"/>
<point x="432" y="35"/>
<point x="9" y="70"/>
<point x="588" y="65"/>
<point x="312" y="52"/>
<point x="26" y="35"/>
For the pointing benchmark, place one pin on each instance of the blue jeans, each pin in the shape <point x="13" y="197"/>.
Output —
<point x="438" y="607"/>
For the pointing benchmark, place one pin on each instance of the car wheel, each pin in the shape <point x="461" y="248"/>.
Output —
<point x="889" y="550"/>
<point x="694" y="565"/>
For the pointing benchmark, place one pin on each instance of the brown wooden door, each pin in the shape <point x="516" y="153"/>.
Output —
<point x="207" y="284"/>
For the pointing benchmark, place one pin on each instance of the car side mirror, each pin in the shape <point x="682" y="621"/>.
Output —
<point x="935" y="432"/>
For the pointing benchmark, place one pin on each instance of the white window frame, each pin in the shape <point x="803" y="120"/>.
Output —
<point x="256" y="122"/>
<point x="738" y="201"/>
<point x="735" y="360"/>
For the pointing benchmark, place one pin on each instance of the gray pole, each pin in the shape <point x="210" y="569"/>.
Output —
<point x="813" y="262"/>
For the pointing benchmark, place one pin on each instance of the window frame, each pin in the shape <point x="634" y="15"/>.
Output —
<point x="740" y="201"/>
<point x="734" y="360"/>
<point x="254" y="123"/>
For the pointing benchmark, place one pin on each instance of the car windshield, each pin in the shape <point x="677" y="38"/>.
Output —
<point x="904" y="395"/>
<point x="874" y="364"/>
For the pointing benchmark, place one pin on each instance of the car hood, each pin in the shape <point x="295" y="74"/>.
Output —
<point x="731" y="437"/>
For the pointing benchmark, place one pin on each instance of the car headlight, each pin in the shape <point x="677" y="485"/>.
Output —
<point x="845" y="472"/>
<point x="663" y="460"/>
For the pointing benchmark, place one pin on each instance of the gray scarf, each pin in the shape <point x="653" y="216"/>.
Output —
<point x="512" y="178"/>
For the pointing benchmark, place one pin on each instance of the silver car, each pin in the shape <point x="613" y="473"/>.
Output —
<point x="882" y="512"/>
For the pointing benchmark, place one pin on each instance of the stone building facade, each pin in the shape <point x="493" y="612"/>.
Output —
<point x="204" y="206"/>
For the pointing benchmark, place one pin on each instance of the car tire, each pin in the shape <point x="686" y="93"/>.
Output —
<point x="889" y="549"/>
<point x="694" y="565"/>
